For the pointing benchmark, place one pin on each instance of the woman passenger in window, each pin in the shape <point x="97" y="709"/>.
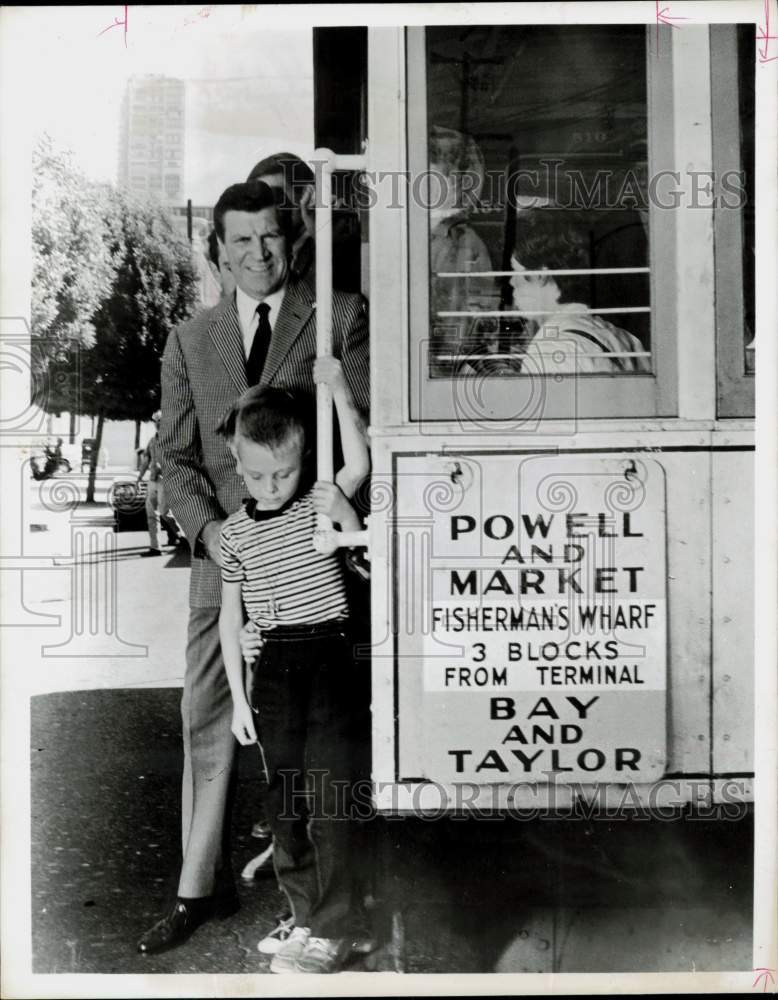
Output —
<point x="567" y="337"/>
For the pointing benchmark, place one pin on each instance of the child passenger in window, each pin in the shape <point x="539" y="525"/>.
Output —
<point x="567" y="337"/>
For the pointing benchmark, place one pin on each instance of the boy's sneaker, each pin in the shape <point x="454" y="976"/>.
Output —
<point x="363" y="944"/>
<point x="322" y="955"/>
<point x="285" y="959"/>
<point x="270" y="944"/>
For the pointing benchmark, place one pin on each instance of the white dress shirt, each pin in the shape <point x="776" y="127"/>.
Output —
<point x="247" y="314"/>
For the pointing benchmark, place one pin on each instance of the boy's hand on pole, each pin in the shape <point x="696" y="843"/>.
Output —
<point x="328" y="500"/>
<point x="329" y="371"/>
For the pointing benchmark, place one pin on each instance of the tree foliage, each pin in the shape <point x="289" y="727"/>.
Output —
<point x="71" y="268"/>
<point x="111" y="278"/>
<point x="72" y="263"/>
<point x="153" y="290"/>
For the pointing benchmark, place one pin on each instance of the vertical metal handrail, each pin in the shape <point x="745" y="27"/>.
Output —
<point x="323" y="159"/>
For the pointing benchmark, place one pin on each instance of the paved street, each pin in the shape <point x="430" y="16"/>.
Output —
<point x="105" y="761"/>
<point x="494" y="896"/>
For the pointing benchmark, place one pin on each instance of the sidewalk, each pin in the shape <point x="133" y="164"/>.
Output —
<point x="100" y="614"/>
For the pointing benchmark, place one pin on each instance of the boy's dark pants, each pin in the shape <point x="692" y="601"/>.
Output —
<point x="310" y="721"/>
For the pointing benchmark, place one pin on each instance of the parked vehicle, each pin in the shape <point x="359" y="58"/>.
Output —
<point x="127" y="498"/>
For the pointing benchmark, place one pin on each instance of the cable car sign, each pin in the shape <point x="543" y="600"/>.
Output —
<point x="544" y="618"/>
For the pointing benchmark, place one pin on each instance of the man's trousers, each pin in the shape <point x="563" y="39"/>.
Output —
<point x="209" y="759"/>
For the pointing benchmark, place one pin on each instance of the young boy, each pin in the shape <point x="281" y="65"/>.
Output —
<point x="301" y="706"/>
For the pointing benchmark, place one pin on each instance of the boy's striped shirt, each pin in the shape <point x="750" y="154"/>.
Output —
<point x="285" y="580"/>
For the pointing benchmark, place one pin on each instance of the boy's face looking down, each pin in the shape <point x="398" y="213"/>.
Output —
<point x="272" y="475"/>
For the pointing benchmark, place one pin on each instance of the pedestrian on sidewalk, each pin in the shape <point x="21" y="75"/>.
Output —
<point x="156" y="501"/>
<point x="301" y="694"/>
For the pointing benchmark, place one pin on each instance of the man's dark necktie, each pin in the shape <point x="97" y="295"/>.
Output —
<point x="259" y="346"/>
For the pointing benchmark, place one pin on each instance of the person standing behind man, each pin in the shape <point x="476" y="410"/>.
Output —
<point x="288" y="173"/>
<point x="265" y="334"/>
<point x="156" y="501"/>
<point x="293" y="178"/>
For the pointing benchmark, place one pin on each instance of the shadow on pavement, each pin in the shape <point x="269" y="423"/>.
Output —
<point x="171" y="558"/>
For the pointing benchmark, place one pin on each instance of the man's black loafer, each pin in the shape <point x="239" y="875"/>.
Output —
<point x="183" y="920"/>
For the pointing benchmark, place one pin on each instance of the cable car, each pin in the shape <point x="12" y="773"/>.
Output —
<point x="558" y="246"/>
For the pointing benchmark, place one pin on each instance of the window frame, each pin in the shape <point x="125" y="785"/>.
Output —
<point x="735" y="396"/>
<point x="609" y="396"/>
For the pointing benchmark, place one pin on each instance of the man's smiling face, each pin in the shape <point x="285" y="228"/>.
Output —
<point x="256" y="251"/>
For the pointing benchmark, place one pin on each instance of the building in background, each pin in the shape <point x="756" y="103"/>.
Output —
<point x="151" y="144"/>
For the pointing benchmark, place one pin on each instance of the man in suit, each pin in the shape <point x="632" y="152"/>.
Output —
<point x="264" y="334"/>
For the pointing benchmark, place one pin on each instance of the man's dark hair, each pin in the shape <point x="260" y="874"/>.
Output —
<point x="251" y="197"/>
<point x="271" y="417"/>
<point x="557" y="239"/>
<point x="296" y="172"/>
<point x="213" y="248"/>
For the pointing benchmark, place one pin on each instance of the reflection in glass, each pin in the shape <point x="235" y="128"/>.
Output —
<point x="456" y="176"/>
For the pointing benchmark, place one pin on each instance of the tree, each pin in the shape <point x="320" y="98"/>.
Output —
<point x="111" y="278"/>
<point x="72" y="267"/>
<point x="153" y="290"/>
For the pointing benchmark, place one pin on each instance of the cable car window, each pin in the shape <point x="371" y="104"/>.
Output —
<point x="542" y="174"/>
<point x="541" y="247"/>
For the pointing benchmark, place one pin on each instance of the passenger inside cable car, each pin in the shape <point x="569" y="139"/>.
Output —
<point x="557" y="306"/>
